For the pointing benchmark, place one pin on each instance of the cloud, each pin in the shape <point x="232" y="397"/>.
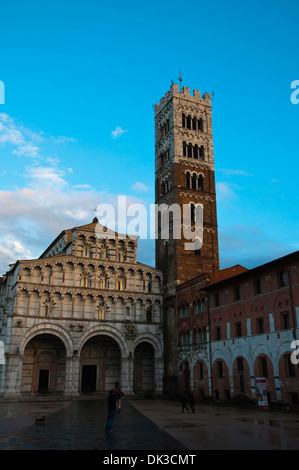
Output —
<point x="23" y="141"/>
<point x="140" y="187"/>
<point x="225" y="192"/>
<point x="233" y="172"/>
<point x="46" y="175"/>
<point x="249" y="246"/>
<point x="118" y="131"/>
<point x="63" y="139"/>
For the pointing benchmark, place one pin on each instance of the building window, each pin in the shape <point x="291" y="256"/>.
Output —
<point x="149" y="316"/>
<point x="190" y="150"/>
<point x="282" y="279"/>
<point x="188" y="180"/>
<point x="260" y="325"/>
<point x="218" y="332"/>
<point x="238" y="329"/>
<point x="237" y="293"/>
<point x="258" y="289"/>
<point x="195" y="151"/>
<point x="217" y="300"/>
<point x="200" y="182"/>
<point x="184" y="149"/>
<point x="285" y="321"/>
<point x="200" y="124"/>
<point x="183" y="120"/>
<point x="189" y="122"/>
<point x="202" y="153"/>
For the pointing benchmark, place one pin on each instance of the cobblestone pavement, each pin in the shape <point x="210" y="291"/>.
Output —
<point x="79" y="425"/>
<point x="144" y="425"/>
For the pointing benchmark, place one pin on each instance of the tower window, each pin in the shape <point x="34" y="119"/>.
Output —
<point x="194" y="181"/>
<point x="202" y="152"/>
<point x="200" y="124"/>
<point x="184" y="149"/>
<point x="200" y="182"/>
<point x="183" y="120"/>
<point x="190" y="150"/>
<point x="195" y="151"/>
<point x="188" y="179"/>
<point x="189" y="122"/>
<point x="192" y="208"/>
<point x="194" y="124"/>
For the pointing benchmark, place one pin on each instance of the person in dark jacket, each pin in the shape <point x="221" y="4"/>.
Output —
<point x="184" y="402"/>
<point x="112" y="399"/>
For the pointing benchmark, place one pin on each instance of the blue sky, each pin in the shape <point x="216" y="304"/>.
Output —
<point x="75" y="73"/>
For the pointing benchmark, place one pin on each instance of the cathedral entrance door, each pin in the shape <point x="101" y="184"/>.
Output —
<point x="144" y="369"/>
<point x="43" y="380"/>
<point x="89" y="378"/>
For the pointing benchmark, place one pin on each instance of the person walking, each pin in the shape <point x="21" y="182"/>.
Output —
<point x="184" y="402"/>
<point x="192" y="402"/>
<point x="112" y="399"/>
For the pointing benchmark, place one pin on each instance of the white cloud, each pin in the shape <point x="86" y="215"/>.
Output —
<point x="233" y="172"/>
<point x="138" y="186"/>
<point x="46" y="175"/>
<point x="22" y="139"/>
<point x="62" y="139"/>
<point x="118" y="131"/>
<point x="225" y="193"/>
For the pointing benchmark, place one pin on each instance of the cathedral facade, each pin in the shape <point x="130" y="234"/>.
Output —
<point x="84" y="317"/>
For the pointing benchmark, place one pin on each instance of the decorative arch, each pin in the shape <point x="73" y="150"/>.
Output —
<point x="105" y="330"/>
<point x="48" y="328"/>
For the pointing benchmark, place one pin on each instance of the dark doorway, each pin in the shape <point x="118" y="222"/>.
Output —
<point x="43" y="381"/>
<point x="89" y="379"/>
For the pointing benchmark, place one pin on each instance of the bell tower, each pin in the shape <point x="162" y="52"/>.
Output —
<point x="184" y="176"/>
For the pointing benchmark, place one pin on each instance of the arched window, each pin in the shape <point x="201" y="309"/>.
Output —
<point x="200" y="182"/>
<point x="195" y="151"/>
<point x="184" y="149"/>
<point x="189" y="122"/>
<point x="149" y="316"/>
<point x="188" y="180"/>
<point x="190" y="150"/>
<point x="192" y="208"/>
<point x="194" y="124"/>
<point x="183" y="120"/>
<point x="194" y="181"/>
<point x="202" y="152"/>
<point x="200" y="124"/>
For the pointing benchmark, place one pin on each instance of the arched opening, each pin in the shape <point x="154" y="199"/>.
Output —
<point x="100" y="364"/>
<point x="144" y="369"/>
<point x="44" y="365"/>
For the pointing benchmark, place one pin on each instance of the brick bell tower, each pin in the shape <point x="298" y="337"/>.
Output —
<point x="184" y="175"/>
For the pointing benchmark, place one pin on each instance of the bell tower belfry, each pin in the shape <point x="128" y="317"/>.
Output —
<point x="184" y="176"/>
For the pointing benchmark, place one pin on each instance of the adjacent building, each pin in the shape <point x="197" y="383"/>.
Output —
<point x="238" y="325"/>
